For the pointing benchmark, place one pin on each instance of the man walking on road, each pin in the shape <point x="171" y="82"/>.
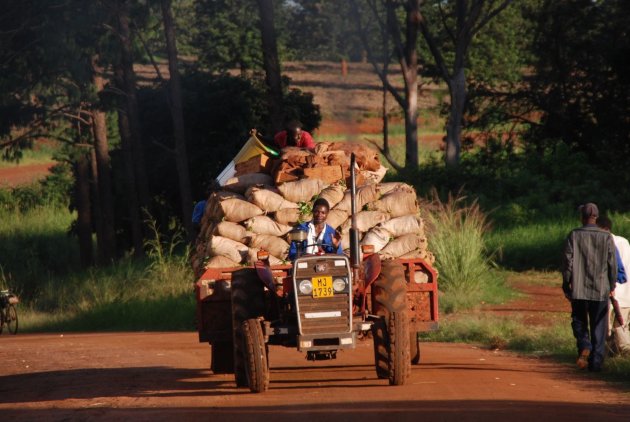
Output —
<point x="620" y="332"/>
<point x="589" y="276"/>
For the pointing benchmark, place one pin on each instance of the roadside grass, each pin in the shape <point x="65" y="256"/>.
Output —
<point x="554" y="340"/>
<point x="42" y="154"/>
<point x="467" y="272"/>
<point x="151" y="294"/>
<point x="35" y="246"/>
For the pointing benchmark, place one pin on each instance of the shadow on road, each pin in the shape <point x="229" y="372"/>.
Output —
<point x="391" y="410"/>
<point x="112" y="382"/>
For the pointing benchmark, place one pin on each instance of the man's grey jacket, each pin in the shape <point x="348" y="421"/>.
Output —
<point x="589" y="270"/>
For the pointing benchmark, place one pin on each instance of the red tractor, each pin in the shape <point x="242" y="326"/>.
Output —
<point x="320" y="303"/>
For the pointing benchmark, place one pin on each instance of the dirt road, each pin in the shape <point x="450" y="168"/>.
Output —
<point x="164" y="376"/>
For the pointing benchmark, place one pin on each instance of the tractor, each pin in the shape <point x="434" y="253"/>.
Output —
<point x="319" y="304"/>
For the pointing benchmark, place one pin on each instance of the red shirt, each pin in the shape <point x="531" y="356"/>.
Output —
<point x="306" y="140"/>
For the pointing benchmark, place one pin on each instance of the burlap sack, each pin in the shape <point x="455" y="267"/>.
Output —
<point x="272" y="244"/>
<point x="367" y="158"/>
<point x="385" y="188"/>
<point x="231" y="207"/>
<point x="241" y="183"/>
<point x="404" y="225"/>
<point x="396" y="203"/>
<point x="366" y="220"/>
<point x="416" y="253"/>
<point x="374" y="176"/>
<point x="365" y="194"/>
<point x="336" y="218"/>
<point x="291" y="216"/>
<point x="265" y="225"/>
<point x="222" y="246"/>
<point x="268" y="198"/>
<point x="252" y="257"/>
<point x="220" y="262"/>
<point x="301" y="190"/>
<point x="404" y="244"/>
<point x="232" y="231"/>
<point x="377" y="237"/>
<point x="333" y="194"/>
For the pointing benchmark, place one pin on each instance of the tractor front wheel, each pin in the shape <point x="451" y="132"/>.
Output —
<point x="256" y="361"/>
<point x="414" y="347"/>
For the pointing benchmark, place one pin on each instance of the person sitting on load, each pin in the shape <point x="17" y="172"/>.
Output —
<point x="321" y="238"/>
<point x="294" y="136"/>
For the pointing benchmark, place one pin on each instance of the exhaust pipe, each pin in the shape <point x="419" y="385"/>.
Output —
<point x="355" y="256"/>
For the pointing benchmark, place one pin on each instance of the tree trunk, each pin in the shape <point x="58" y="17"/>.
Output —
<point x="177" y="114"/>
<point x="106" y="239"/>
<point x="97" y="216"/>
<point x="133" y="205"/>
<point x="84" y="214"/>
<point x="454" y="124"/>
<point x="131" y="103"/>
<point x="411" y="84"/>
<point x="271" y="64"/>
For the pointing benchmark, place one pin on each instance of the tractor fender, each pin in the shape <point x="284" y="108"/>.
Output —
<point x="371" y="269"/>
<point x="265" y="275"/>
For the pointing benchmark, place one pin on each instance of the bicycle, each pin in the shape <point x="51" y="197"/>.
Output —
<point x="8" y="313"/>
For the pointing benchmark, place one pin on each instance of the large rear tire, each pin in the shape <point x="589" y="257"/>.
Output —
<point x="256" y="363"/>
<point x="248" y="301"/>
<point x="390" y="331"/>
<point x="12" y="320"/>
<point x="222" y="357"/>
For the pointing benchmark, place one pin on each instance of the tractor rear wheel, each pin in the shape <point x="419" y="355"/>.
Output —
<point x="248" y="301"/>
<point x="256" y="363"/>
<point x="222" y="357"/>
<point x="391" y="330"/>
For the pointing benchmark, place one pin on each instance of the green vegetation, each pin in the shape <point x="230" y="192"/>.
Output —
<point x="467" y="275"/>
<point x="154" y="294"/>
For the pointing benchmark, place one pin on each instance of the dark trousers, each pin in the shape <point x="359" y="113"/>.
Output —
<point x="590" y="316"/>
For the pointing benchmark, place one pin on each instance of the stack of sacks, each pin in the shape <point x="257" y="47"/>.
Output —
<point x="251" y="213"/>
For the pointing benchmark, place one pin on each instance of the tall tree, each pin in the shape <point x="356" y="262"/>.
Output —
<point x="228" y="35"/>
<point x="385" y="13"/>
<point x="177" y="114"/>
<point x="271" y="63"/>
<point x="461" y="20"/>
<point x="106" y="239"/>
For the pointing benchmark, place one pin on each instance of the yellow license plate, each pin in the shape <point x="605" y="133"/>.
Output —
<point x="322" y="286"/>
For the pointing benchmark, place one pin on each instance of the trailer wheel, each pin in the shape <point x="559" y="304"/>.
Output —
<point x="248" y="301"/>
<point x="222" y="357"/>
<point x="391" y="330"/>
<point x="414" y="347"/>
<point x="256" y="362"/>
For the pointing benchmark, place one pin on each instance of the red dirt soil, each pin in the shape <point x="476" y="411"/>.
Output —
<point x="23" y="174"/>
<point x="166" y="376"/>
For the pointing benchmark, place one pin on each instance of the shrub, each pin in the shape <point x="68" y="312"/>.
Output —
<point x="456" y="237"/>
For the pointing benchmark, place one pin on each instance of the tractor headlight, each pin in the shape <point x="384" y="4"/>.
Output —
<point x="305" y="286"/>
<point x="339" y="284"/>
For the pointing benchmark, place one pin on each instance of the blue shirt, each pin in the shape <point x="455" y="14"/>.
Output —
<point x="198" y="211"/>
<point x="327" y="244"/>
<point x="621" y="271"/>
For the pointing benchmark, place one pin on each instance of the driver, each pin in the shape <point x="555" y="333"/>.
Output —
<point x="321" y="237"/>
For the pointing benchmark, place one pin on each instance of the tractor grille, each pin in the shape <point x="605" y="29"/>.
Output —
<point x="322" y="325"/>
